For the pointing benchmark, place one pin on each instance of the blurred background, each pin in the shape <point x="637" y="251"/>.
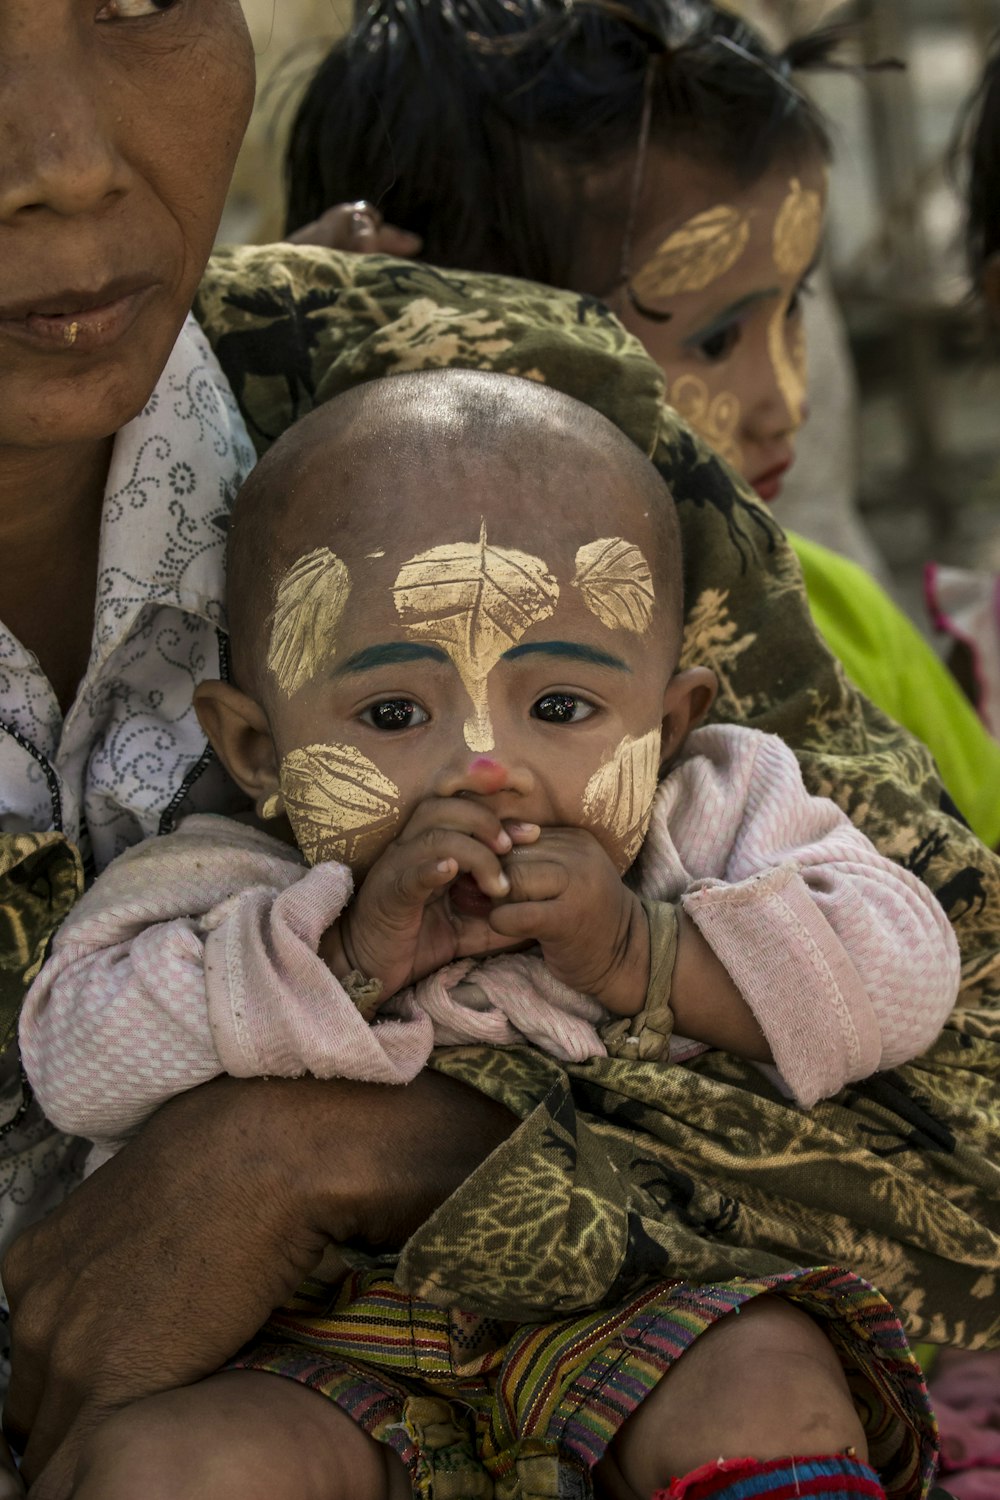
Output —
<point x="902" y="451"/>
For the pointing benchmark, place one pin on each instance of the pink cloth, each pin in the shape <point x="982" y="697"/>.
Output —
<point x="197" y="954"/>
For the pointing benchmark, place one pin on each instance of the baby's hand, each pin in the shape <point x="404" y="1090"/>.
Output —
<point x="567" y="896"/>
<point x="399" y="927"/>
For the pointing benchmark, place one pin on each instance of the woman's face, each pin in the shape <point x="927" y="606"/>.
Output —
<point x="120" y="122"/>
<point x="714" y="291"/>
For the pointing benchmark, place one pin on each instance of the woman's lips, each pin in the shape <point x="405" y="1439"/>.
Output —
<point x="769" y="484"/>
<point x="77" y="322"/>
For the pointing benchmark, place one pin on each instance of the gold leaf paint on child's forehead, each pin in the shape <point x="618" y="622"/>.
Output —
<point x="308" y="609"/>
<point x="616" y="585"/>
<point x="475" y="601"/>
<point x="797" y="229"/>
<point x="619" y="795"/>
<point x="694" y="256"/>
<point x="337" y="800"/>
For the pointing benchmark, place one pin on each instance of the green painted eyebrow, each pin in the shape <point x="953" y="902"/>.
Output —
<point x="719" y="324"/>
<point x="388" y="654"/>
<point x="569" y="650"/>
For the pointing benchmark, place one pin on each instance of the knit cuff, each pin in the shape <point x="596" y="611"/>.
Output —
<point x="645" y="1037"/>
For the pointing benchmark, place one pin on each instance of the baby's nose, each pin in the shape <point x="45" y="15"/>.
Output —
<point x="483" y="776"/>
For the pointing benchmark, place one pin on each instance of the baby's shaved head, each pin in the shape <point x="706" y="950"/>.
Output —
<point x="400" y="465"/>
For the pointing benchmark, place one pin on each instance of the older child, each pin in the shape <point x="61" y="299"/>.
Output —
<point x="467" y="739"/>
<point x="661" y="157"/>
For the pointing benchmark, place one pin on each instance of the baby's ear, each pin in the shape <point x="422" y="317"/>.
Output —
<point x="688" y="698"/>
<point x="239" y="734"/>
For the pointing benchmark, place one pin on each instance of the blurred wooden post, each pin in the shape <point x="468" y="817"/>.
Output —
<point x="894" y="137"/>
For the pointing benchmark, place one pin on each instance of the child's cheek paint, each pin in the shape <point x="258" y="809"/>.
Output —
<point x="338" y="802"/>
<point x="619" y="795"/>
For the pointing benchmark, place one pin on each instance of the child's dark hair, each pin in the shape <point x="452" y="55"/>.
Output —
<point x="983" y="128"/>
<point x="473" y="122"/>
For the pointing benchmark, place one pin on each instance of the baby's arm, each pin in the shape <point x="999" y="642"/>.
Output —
<point x="846" y="961"/>
<point x="191" y="956"/>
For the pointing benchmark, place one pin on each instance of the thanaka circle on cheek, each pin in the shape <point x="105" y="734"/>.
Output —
<point x="339" y="803"/>
<point x="619" y="796"/>
<point x="716" y="419"/>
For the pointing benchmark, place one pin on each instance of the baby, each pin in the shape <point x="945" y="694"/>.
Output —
<point x="456" y="621"/>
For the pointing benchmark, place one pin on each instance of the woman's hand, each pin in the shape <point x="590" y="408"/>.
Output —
<point x="157" y="1269"/>
<point x="358" y="227"/>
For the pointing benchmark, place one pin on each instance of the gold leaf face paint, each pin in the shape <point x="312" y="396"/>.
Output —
<point x="309" y="605"/>
<point x="616" y="584"/>
<point x="789" y="365"/>
<point x="475" y="601"/>
<point x="797" y="229"/>
<point x="337" y="800"/>
<point x="694" y="256"/>
<point x="716" y="419"/>
<point x="619" y="796"/>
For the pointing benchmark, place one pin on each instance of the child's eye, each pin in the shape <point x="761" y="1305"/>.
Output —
<point x="394" y="713"/>
<point x="561" y="708"/>
<point x="720" y="344"/>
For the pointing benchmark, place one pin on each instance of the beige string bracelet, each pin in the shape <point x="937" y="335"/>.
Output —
<point x="646" y="1037"/>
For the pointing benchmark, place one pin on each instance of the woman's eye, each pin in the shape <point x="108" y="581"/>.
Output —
<point x="131" y="10"/>
<point x="561" y="708"/>
<point x="720" y="345"/>
<point x="394" y="713"/>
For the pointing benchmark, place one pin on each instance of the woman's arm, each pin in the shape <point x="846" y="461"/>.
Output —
<point x="164" y="1262"/>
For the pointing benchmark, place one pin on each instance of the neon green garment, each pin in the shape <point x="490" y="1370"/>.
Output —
<point x="889" y="660"/>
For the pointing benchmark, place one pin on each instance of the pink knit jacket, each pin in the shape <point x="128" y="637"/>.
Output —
<point x="197" y="954"/>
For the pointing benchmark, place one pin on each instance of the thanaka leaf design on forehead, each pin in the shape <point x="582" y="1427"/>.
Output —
<point x="797" y="229"/>
<point x="616" y="584"/>
<point x="307" y="612"/>
<point x="694" y="256"/>
<point x="619" y="795"/>
<point x="475" y="601"/>
<point x="336" y="799"/>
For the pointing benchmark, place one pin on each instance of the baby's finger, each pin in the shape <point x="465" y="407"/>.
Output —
<point x="534" y="878"/>
<point x="524" y="919"/>
<point x="522" y="834"/>
<point x="462" y="815"/>
<point x="416" y="883"/>
<point x="471" y="858"/>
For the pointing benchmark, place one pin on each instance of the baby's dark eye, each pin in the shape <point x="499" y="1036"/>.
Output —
<point x="561" y="708"/>
<point x="394" y="713"/>
<point x="720" y="345"/>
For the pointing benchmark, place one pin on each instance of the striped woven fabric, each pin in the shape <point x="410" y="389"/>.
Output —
<point x="827" y="1478"/>
<point x="480" y="1408"/>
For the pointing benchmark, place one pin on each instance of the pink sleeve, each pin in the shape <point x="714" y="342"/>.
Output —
<point x="848" y="961"/>
<point x="191" y="956"/>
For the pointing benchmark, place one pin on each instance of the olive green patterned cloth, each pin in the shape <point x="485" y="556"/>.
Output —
<point x="622" y="1173"/>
